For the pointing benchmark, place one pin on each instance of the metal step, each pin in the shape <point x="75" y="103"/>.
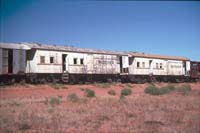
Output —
<point x="65" y="77"/>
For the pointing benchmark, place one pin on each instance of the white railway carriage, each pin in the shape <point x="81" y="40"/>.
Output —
<point x="48" y="62"/>
<point x="41" y="62"/>
<point x="144" y="66"/>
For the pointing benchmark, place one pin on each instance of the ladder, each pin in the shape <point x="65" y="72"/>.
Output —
<point x="65" y="77"/>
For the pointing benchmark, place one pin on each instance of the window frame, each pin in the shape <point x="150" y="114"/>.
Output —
<point x="42" y="59"/>
<point x="50" y="61"/>
<point x="161" y="65"/>
<point x="75" y="61"/>
<point x="81" y="61"/>
<point x="138" y="64"/>
<point x="143" y="64"/>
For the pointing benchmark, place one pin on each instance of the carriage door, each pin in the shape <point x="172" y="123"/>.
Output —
<point x="150" y="67"/>
<point x="64" y="63"/>
<point x="7" y="64"/>
<point x="90" y="64"/>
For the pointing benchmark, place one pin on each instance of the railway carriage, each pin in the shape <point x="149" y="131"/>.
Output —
<point x="149" y="67"/>
<point x="39" y="63"/>
<point x="54" y="63"/>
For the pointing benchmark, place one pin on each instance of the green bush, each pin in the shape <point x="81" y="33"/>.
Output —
<point x="72" y="97"/>
<point x="126" y="92"/>
<point x="89" y="93"/>
<point x="152" y="90"/>
<point x="54" y="100"/>
<point x="184" y="89"/>
<point x="164" y="90"/>
<point x="57" y="86"/>
<point x="111" y="92"/>
<point x="171" y="87"/>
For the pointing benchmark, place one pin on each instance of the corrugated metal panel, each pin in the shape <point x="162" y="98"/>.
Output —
<point x="4" y="61"/>
<point x="72" y="49"/>
<point x="136" y="54"/>
<point x="14" y="46"/>
<point x="18" y="61"/>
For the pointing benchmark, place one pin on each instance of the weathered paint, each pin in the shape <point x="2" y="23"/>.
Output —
<point x="92" y="63"/>
<point x="4" y="61"/>
<point x="125" y="63"/>
<point x="19" y="61"/>
<point x="152" y="66"/>
<point x="187" y="68"/>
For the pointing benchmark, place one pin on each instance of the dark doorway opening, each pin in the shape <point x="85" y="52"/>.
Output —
<point x="64" y="62"/>
<point x="121" y="69"/>
<point x="10" y="61"/>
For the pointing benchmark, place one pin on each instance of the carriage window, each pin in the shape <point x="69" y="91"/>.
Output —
<point x="42" y="59"/>
<point x="143" y="64"/>
<point x="160" y="65"/>
<point x="51" y="59"/>
<point x="157" y="65"/>
<point x="75" y="60"/>
<point x="81" y="61"/>
<point x="138" y="64"/>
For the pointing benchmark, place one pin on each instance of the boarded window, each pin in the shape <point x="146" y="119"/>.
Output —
<point x="143" y="64"/>
<point x="157" y="65"/>
<point x="138" y="64"/>
<point x="51" y="59"/>
<point x="75" y="60"/>
<point x="161" y="66"/>
<point x="42" y="59"/>
<point x="81" y="61"/>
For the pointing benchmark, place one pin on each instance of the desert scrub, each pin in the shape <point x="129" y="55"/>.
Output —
<point x="164" y="90"/>
<point x="152" y="90"/>
<point x="171" y="87"/>
<point x="129" y="85"/>
<point x="102" y="85"/>
<point x="89" y="93"/>
<point x="126" y="92"/>
<point x="73" y="97"/>
<point x="184" y="89"/>
<point x="54" y="101"/>
<point x="57" y="86"/>
<point x="111" y="92"/>
<point x="50" y="109"/>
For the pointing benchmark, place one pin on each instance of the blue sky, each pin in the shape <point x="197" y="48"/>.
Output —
<point x="167" y="28"/>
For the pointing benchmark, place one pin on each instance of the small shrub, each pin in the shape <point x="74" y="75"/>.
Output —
<point x="184" y="89"/>
<point x="72" y="97"/>
<point x="164" y="90"/>
<point x="64" y="87"/>
<point x="82" y="89"/>
<point x="129" y="85"/>
<point x="171" y="87"/>
<point x="126" y="92"/>
<point x="152" y="90"/>
<point x="54" y="100"/>
<point x="102" y="85"/>
<point x="111" y="92"/>
<point x="56" y="86"/>
<point x="50" y="109"/>
<point x="89" y="93"/>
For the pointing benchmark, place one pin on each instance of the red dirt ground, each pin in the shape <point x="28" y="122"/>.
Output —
<point x="23" y="108"/>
